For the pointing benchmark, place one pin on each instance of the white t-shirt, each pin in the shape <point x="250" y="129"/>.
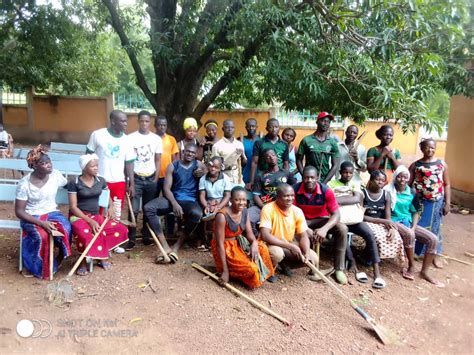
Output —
<point x="40" y="200"/>
<point x="113" y="152"/>
<point x="145" y="147"/>
<point x="4" y="136"/>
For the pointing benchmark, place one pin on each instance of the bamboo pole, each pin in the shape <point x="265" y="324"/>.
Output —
<point x="241" y="294"/>
<point x="51" y="256"/>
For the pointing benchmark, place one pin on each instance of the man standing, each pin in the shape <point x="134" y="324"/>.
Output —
<point x="170" y="149"/>
<point x="180" y="197"/>
<point x="248" y="141"/>
<point x="353" y="152"/>
<point x="270" y="141"/>
<point x="280" y="222"/>
<point x="148" y="148"/>
<point x="321" y="211"/>
<point x="265" y="187"/>
<point x="232" y="153"/>
<point x="115" y="156"/>
<point x="320" y="150"/>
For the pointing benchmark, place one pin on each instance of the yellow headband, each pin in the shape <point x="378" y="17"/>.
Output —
<point x="190" y="123"/>
<point x="210" y="124"/>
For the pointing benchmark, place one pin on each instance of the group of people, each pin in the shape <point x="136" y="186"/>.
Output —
<point x="267" y="204"/>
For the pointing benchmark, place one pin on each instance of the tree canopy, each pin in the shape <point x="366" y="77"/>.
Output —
<point x="366" y="58"/>
<point x="56" y="49"/>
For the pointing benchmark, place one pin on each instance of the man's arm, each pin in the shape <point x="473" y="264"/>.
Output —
<point x="157" y="166"/>
<point x="272" y="240"/>
<point x="349" y="200"/>
<point x="131" y="181"/>
<point x="335" y="165"/>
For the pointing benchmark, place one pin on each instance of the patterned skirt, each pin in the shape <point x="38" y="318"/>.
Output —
<point x="113" y="234"/>
<point x="35" y="244"/>
<point x="240" y="265"/>
<point x="389" y="247"/>
<point x="431" y="217"/>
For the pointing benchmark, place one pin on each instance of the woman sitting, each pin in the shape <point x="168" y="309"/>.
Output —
<point x="35" y="206"/>
<point x="348" y="195"/>
<point x="238" y="256"/>
<point x="378" y="218"/>
<point x="84" y="192"/>
<point x="405" y="213"/>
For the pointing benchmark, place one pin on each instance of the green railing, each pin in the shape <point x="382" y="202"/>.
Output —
<point x="13" y="98"/>
<point x="303" y="119"/>
<point x="131" y="103"/>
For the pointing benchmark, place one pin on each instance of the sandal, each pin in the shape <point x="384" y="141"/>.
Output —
<point x="82" y="271"/>
<point x="379" y="283"/>
<point x="361" y="277"/>
<point x="105" y="265"/>
<point x="437" y="283"/>
<point x="160" y="259"/>
<point x="408" y="275"/>
<point x="173" y="257"/>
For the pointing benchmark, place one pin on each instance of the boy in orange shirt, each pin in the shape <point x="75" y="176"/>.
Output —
<point x="170" y="149"/>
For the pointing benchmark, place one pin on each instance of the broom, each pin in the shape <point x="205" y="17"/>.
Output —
<point x="61" y="292"/>
<point x="241" y="294"/>
<point x="384" y="334"/>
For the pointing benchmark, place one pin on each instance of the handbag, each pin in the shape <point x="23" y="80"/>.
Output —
<point x="350" y="214"/>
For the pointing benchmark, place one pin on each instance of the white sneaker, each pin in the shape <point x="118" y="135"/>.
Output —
<point x="119" y="250"/>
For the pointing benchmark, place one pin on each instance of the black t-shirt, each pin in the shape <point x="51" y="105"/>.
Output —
<point x="87" y="197"/>
<point x="375" y="208"/>
<point x="267" y="183"/>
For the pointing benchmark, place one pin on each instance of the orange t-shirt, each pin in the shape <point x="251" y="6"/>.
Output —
<point x="170" y="147"/>
<point x="283" y="225"/>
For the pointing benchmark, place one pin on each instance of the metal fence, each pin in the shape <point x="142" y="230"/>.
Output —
<point x="131" y="102"/>
<point x="12" y="98"/>
<point x="303" y="119"/>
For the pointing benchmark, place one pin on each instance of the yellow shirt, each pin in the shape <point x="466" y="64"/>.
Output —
<point x="170" y="147"/>
<point x="283" y="225"/>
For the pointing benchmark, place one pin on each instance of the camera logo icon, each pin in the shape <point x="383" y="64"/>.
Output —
<point x="34" y="328"/>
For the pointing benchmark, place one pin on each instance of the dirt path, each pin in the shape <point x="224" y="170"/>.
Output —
<point x="189" y="314"/>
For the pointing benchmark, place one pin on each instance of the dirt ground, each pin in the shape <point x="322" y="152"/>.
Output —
<point x="112" y="313"/>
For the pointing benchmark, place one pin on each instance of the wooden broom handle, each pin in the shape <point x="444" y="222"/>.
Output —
<point x="158" y="244"/>
<point x="241" y="294"/>
<point x="130" y="208"/>
<point x="89" y="246"/>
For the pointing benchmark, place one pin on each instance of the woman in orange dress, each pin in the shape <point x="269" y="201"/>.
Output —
<point x="238" y="256"/>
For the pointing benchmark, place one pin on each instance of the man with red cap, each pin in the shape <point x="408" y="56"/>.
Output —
<point x="320" y="150"/>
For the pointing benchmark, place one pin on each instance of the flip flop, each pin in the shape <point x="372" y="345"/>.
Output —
<point x="408" y="275"/>
<point x="437" y="283"/>
<point x="82" y="271"/>
<point x="173" y="257"/>
<point x="379" y="283"/>
<point x="160" y="259"/>
<point x="105" y="265"/>
<point x="362" y="277"/>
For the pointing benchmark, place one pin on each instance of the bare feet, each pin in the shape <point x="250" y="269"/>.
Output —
<point x="428" y="278"/>
<point x="437" y="263"/>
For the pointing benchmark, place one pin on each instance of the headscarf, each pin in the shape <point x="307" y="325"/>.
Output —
<point x="34" y="155"/>
<point x="86" y="158"/>
<point x="190" y="123"/>
<point x="391" y="189"/>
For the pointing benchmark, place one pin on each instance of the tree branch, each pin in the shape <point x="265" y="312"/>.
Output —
<point x="118" y="26"/>
<point x="230" y="75"/>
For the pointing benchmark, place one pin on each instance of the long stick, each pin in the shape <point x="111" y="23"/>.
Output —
<point x="318" y="246"/>
<point x="158" y="244"/>
<point x="241" y="294"/>
<point x="454" y="259"/>
<point x="51" y="256"/>
<point x="386" y="336"/>
<point x="130" y="208"/>
<point x="86" y="250"/>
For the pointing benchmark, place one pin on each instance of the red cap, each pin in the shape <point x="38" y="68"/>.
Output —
<point x="323" y="115"/>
